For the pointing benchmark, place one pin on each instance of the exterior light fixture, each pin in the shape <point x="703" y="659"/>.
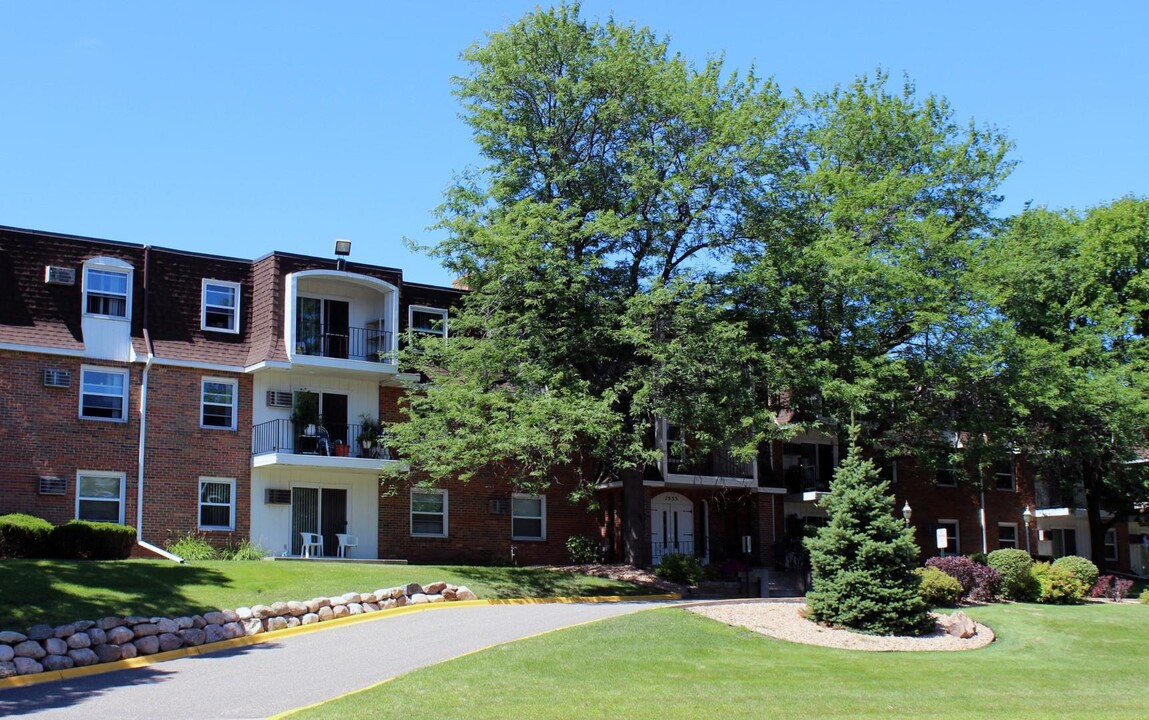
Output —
<point x="1027" y="518"/>
<point x="343" y="248"/>
<point x="907" y="512"/>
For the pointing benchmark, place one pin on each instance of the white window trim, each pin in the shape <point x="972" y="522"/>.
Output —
<point x="123" y="500"/>
<point x="201" y="505"/>
<point x="235" y="288"/>
<point x="84" y="369"/>
<point x="542" y="517"/>
<point x="1016" y="535"/>
<point x="106" y="264"/>
<point x="411" y="309"/>
<point x="234" y="402"/>
<point x="1106" y="545"/>
<point x="445" y="513"/>
<point x="956" y="535"/>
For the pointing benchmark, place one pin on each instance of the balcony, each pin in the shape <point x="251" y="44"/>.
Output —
<point x="715" y="469"/>
<point x="282" y="442"/>
<point x="348" y="343"/>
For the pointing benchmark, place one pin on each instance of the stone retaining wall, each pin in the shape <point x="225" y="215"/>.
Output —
<point x="89" y="642"/>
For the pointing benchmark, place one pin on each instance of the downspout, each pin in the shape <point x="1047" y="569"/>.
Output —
<point x="143" y="427"/>
<point x="981" y="512"/>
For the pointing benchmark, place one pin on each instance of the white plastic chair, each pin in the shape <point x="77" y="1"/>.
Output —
<point x="346" y="541"/>
<point x="312" y="545"/>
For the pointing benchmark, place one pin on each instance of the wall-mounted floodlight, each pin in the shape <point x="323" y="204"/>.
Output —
<point x="343" y="248"/>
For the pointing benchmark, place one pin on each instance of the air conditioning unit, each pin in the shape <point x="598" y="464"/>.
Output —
<point x="56" y="275"/>
<point x="57" y="378"/>
<point x="53" y="485"/>
<point x="500" y="506"/>
<point x="278" y="496"/>
<point x="279" y="398"/>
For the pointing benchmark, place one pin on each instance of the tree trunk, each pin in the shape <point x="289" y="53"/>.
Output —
<point x="635" y="536"/>
<point x="1090" y="478"/>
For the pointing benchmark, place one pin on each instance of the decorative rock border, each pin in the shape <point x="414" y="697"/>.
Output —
<point x="90" y="642"/>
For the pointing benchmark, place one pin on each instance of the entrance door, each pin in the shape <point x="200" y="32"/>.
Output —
<point x="333" y="408"/>
<point x="671" y="526"/>
<point x="318" y="510"/>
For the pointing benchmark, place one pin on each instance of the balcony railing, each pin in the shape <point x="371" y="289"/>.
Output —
<point x="658" y="550"/>
<point x="715" y="464"/>
<point x="347" y="344"/>
<point x="284" y="436"/>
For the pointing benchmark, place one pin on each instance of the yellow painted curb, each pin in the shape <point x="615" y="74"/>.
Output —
<point x="147" y="660"/>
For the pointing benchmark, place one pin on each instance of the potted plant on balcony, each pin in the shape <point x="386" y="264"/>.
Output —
<point x="305" y="413"/>
<point x="369" y="429"/>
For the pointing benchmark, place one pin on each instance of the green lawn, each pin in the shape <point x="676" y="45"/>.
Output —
<point x="52" y="591"/>
<point x="1085" y="661"/>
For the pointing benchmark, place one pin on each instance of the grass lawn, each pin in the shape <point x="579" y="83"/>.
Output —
<point x="55" y="592"/>
<point x="1083" y="661"/>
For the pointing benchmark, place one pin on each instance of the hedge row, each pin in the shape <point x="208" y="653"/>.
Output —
<point x="27" y="536"/>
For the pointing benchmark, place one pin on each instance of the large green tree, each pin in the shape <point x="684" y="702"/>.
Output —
<point x="616" y="181"/>
<point x="1072" y="289"/>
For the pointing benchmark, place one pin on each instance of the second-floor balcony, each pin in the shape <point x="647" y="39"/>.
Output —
<point x="711" y="469"/>
<point x="327" y="445"/>
<point x="346" y="343"/>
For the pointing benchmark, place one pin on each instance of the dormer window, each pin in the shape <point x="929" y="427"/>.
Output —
<point x="220" y="306"/>
<point x="429" y="321"/>
<point x="106" y="291"/>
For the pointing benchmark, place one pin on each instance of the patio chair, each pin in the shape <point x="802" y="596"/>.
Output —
<point x="346" y="541"/>
<point x="312" y="545"/>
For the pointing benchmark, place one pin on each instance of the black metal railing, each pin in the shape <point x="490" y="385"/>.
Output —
<point x="715" y="464"/>
<point x="346" y="344"/>
<point x="332" y="439"/>
<point x="658" y="550"/>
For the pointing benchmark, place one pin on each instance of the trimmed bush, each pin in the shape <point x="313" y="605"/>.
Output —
<point x="1082" y="568"/>
<point x="979" y="583"/>
<point x="24" y="536"/>
<point x="1143" y="598"/>
<point x="938" y="589"/>
<point x="1058" y="585"/>
<point x="680" y="568"/>
<point x="1111" y="588"/>
<point x="581" y="549"/>
<point x="1016" y="568"/>
<point x="94" y="540"/>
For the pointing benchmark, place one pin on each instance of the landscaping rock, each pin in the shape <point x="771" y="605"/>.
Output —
<point x="96" y="636"/>
<point x="107" y="653"/>
<point x="55" y="646"/>
<point x="79" y="640"/>
<point x="27" y="666"/>
<point x="464" y="593"/>
<point x="214" y="618"/>
<point x="29" y="649"/>
<point x="959" y="625"/>
<point x="6" y="653"/>
<point x="7" y="669"/>
<point x="83" y="657"/>
<point x="185" y="623"/>
<point x="418" y="599"/>
<point x="293" y="621"/>
<point x="41" y="632"/>
<point x="340" y="611"/>
<point x="244" y="613"/>
<point x="354" y="608"/>
<point x="64" y="631"/>
<point x="450" y="594"/>
<point x="170" y="641"/>
<point x="9" y="637"/>
<point x="128" y="651"/>
<point x="413" y="589"/>
<point x="193" y="636"/>
<point x="435" y="588"/>
<point x="213" y="633"/>
<point x="370" y="607"/>
<point x="230" y="616"/>
<point x="279" y="608"/>
<point x="146" y="629"/>
<point x="325" y="613"/>
<point x="297" y="608"/>
<point x="120" y="635"/>
<point x="58" y="662"/>
<point x="309" y="618"/>
<point x="166" y="625"/>
<point x="148" y="645"/>
<point x="262" y="612"/>
<point x="109" y="622"/>
<point x="84" y="625"/>
<point x="252" y="626"/>
<point x="198" y="622"/>
<point x="276" y="623"/>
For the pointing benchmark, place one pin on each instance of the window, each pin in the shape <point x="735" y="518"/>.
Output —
<point x="218" y="406"/>
<point x="220" y="306"/>
<point x="100" y="496"/>
<point x="103" y="394"/>
<point x="1111" y="544"/>
<point x="947" y="472"/>
<point x="430" y="321"/>
<point x="1003" y="475"/>
<point x="216" y="503"/>
<point x="1007" y="535"/>
<point x="528" y="517"/>
<point x="429" y="513"/>
<point x="106" y="292"/>
<point x="1064" y="541"/>
<point x="953" y="547"/>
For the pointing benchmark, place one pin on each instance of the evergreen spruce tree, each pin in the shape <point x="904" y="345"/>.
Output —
<point x="863" y="561"/>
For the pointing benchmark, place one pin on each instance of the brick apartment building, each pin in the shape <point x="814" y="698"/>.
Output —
<point x="168" y="390"/>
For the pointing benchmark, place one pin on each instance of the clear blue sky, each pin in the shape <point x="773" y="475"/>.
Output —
<point x="246" y="126"/>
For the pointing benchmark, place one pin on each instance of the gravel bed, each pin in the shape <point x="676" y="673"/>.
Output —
<point x="784" y="620"/>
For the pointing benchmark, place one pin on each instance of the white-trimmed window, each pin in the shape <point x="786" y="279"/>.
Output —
<point x="218" y="403"/>
<point x="220" y="306"/>
<point x="1111" y="544"/>
<point x="429" y="513"/>
<point x="953" y="546"/>
<point x="216" y="503"/>
<point x="1003" y="475"/>
<point x="428" y="320"/>
<point x="107" y="290"/>
<point x="528" y="517"/>
<point x="103" y="394"/>
<point x="100" y="496"/>
<point x="1007" y="535"/>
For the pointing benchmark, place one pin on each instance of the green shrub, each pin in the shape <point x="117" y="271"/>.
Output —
<point x="24" y="536"/>
<point x="938" y="589"/>
<point x="1016" y="568"/>
<point x="1057" y="584"/>
<point x="978" y="557"/>
<point x="86" y="540"/>
<point x="242" y="551"/>
<point x="581" y="549"/>
<point x="1144" y="597"/>
<point x="680" y="568"/>
<point x="1083" y="569"/>
<point x="191" y="547"/>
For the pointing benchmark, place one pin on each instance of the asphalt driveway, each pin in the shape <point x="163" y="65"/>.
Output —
<point x="294" y="671"/>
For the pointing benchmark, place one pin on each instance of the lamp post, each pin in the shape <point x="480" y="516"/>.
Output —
<point x="907" y="512"/>
<point x="1027" y="517"/>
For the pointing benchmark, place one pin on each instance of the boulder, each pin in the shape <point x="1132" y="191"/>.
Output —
<point x="419" y="599"/>
<point x="365" y="598"/>
<point x="79" y="640"/>
<point x="96" y="636"/>
<point x="148" y="645"/>
<point x="958" y="625"/>
<point x="29" y="649"/>
<point x="464" y="593"/>
<point x="109" y="622"/>
<point x="7" y="669"/>
<point x="41" y="632"/>
<point x="276" y="623"/>
<point x="244" y="613"/>
<point x="6" y="653"/>
<point x="436" y="598"/>
<point x="340" y="611"/>
<point x="214" y="618"/>
<point x="435" y="588"/>
<point x="57" y="662"/>
<point x="252" y="626"/>
<point x="354" y="608"/>
<point x="55" y="646"/>
<point x="292" y="621"/>
<point x="370" y="607"/>
<point x="84" y="625"/>
<point x="84" y="657"/>
<point x="412" y="589"/>
<point x="107" y="653"/>
<point x="167" y="625"/>
<point x="325" y="613"/>
<point x="309" y="618"/>
<point x="27" y="666"/>
<point x="262" y="612"/>
<point x="120" y="635"/>
<point x="128" y="651"/>
<point x="136" y="620"/>
<point x="198" y="622"/>
<point x="450" y="594"/>
<point x="169" y="642"/>
<point x="279" y="608"/>
<point x="401" y="601"/>
<point x="230" y="616"/>
<point x="146" y="629"/>
<point x="351" y="597"/>
<point x="9" y="637"/>
<point x="296" y="608"/>
<point x="64" y="631"/>
<point x="213" y="634"/>
<point x="192" y="636"/>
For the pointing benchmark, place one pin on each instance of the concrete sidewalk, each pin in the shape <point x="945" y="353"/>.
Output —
<point x="296" y="670"/>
